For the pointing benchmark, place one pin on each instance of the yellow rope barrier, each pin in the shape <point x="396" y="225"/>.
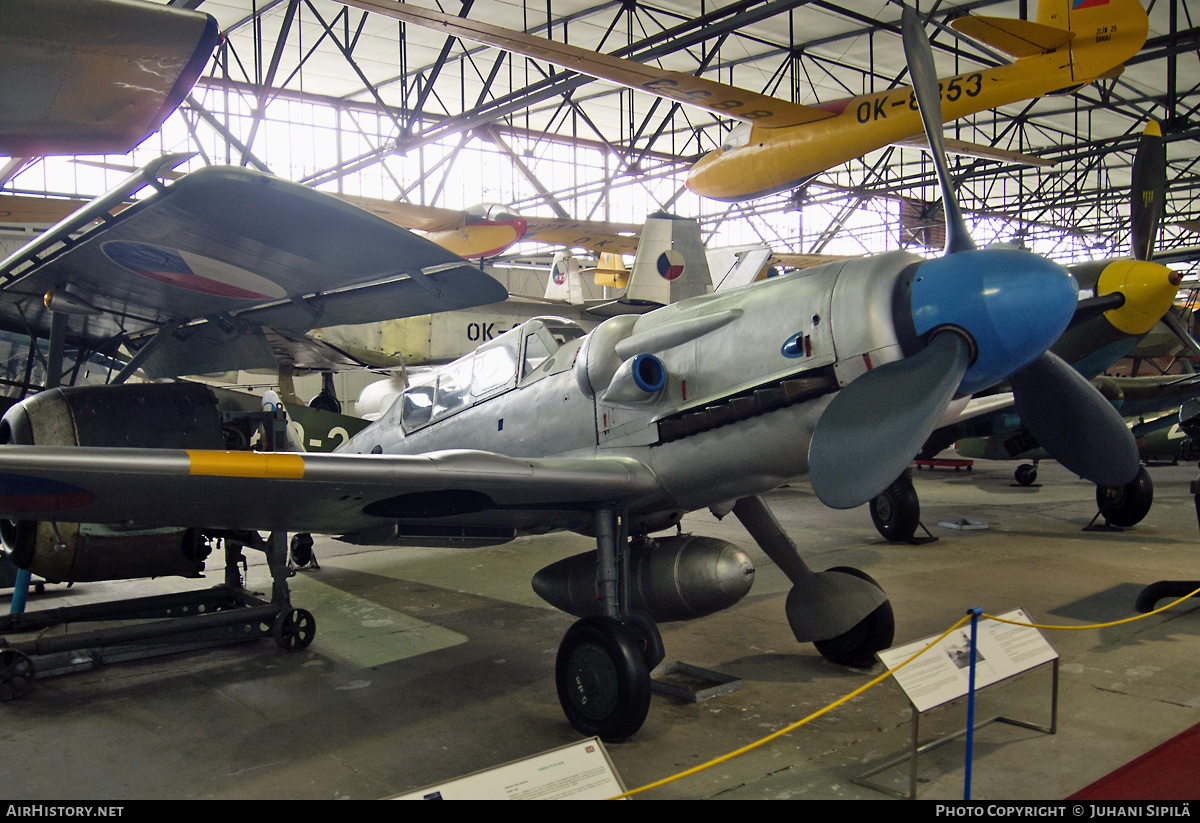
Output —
<point x="790" y="728"/>
<point x="1170" y="605"/>
<point x="751" y="746"/>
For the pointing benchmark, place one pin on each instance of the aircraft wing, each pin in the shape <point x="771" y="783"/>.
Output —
<point x="593" y="235"/>
<point x="24" y="209"/>
<point x="718" y="98"/>
<point x="408" y="215"/>
<point x="368" y="496"/>
<point x="219" y="255"/>
<point x="806" y="261"/>
<point x="94" y="76"/>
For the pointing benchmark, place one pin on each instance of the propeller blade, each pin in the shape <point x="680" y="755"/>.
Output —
<point x="1171" y="321"/>
<point x="879" y="421"/>
<point x="1147" y="191"/>
<point x="929" y="101"/>
<point x="1073" y="422"/>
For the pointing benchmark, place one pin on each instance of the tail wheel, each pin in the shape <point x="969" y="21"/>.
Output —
<point x="874" y="633"/>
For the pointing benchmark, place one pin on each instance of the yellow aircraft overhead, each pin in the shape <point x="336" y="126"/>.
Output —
<point x="781" y="144"/>
<point x="483" y="230"/>
<point x="16" y="208"/>
<point x="487" y="229"/>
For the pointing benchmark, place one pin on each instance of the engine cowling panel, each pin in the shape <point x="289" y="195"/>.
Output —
<point x="170" y="416"/>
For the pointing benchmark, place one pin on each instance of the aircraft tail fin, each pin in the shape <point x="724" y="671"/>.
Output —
<point x="288" y="438"/>
<point x="1099" y="35"/>
<point x="671" y="264"/>
<point x="565" y="281"/>
<point x="1014" y="37"/>
<point x="1105" y="33"/>
<point x="737" y="265"/>
<point x="611" y="271"/>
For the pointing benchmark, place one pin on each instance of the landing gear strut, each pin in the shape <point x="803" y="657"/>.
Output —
<point x="842" y="611"/>
<point x="602" y="672"/>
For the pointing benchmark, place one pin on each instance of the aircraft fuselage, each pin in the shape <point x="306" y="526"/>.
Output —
<point x="718" y="395"/>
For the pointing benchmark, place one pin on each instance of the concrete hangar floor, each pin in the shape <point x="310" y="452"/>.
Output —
<point x="430" y="664"/>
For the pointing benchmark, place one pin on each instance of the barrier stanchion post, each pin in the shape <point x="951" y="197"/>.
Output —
<point x="975" y="613"/>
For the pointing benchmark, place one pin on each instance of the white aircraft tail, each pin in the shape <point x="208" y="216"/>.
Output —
<point x="292" y="439"/>
<point x="671" y="264"/>
<point x="735" y="266"/>
<point x="565" y="281"/>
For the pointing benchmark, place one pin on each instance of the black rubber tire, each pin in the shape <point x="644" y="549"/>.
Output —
<point x="602" y="680"/>
<point x="16" y="674"/>
<point x="325" y="402"/>
<point x="294" y="629"/>
<point x="1127" y="505"/>
<point x="896" y="511"/>
<point x="301" y="548"/>
<point x="1026" y="474"/>
<point x="874" y="633"/>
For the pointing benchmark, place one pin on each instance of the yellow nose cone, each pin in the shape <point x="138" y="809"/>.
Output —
<point x="1149" y="290"/>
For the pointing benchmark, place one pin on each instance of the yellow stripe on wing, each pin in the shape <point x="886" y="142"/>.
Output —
<point x="246" y="464"/>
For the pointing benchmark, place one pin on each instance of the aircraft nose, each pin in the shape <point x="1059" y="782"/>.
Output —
<point x="1013" y="305"/>
<point x="1149" y="289"/>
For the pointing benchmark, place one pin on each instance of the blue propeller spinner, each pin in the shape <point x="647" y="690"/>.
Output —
<point x="983" y="317"/>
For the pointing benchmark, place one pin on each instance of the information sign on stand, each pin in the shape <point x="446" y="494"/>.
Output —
<point x="942" y="675"/>
<point x="579" y="771"/>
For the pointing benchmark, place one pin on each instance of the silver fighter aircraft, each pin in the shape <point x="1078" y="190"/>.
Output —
<point x="840" y="372"/>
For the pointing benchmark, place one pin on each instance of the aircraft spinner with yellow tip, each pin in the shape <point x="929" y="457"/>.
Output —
<point x="781" y="144"/>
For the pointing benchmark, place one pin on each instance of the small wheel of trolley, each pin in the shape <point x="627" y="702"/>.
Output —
<point x="294" y="629"/>
<point x="16" y="674"/>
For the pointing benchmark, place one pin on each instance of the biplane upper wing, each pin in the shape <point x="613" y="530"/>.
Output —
<point x="341" y="494"/>
<point x="94" y="76"/>
<point x="219" y="255"/>
<point x="723" y="100"/>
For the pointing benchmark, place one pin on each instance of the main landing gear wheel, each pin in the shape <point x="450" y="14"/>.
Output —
<point x="301" y="548"/>
<point x="294" y="629"/>
<point x="874" y="633"/>
<point x="896" y="511"/>
<point x="602" y="680"/>
<point x="16" y="674"/>
<point x="1026" y="474"/>
<point x="325" y="402"/>
<point x="1125" y="506"/>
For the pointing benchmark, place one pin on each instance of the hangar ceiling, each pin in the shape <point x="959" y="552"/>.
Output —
<point x="413" y="105"/>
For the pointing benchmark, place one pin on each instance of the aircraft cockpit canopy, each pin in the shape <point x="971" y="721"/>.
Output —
<point x="488" y="212"/>
<point x="737" y="137"/>
<point x="517" y="356"/>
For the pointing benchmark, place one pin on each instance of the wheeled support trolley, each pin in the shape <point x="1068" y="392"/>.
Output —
<point x="164" y="624"/>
